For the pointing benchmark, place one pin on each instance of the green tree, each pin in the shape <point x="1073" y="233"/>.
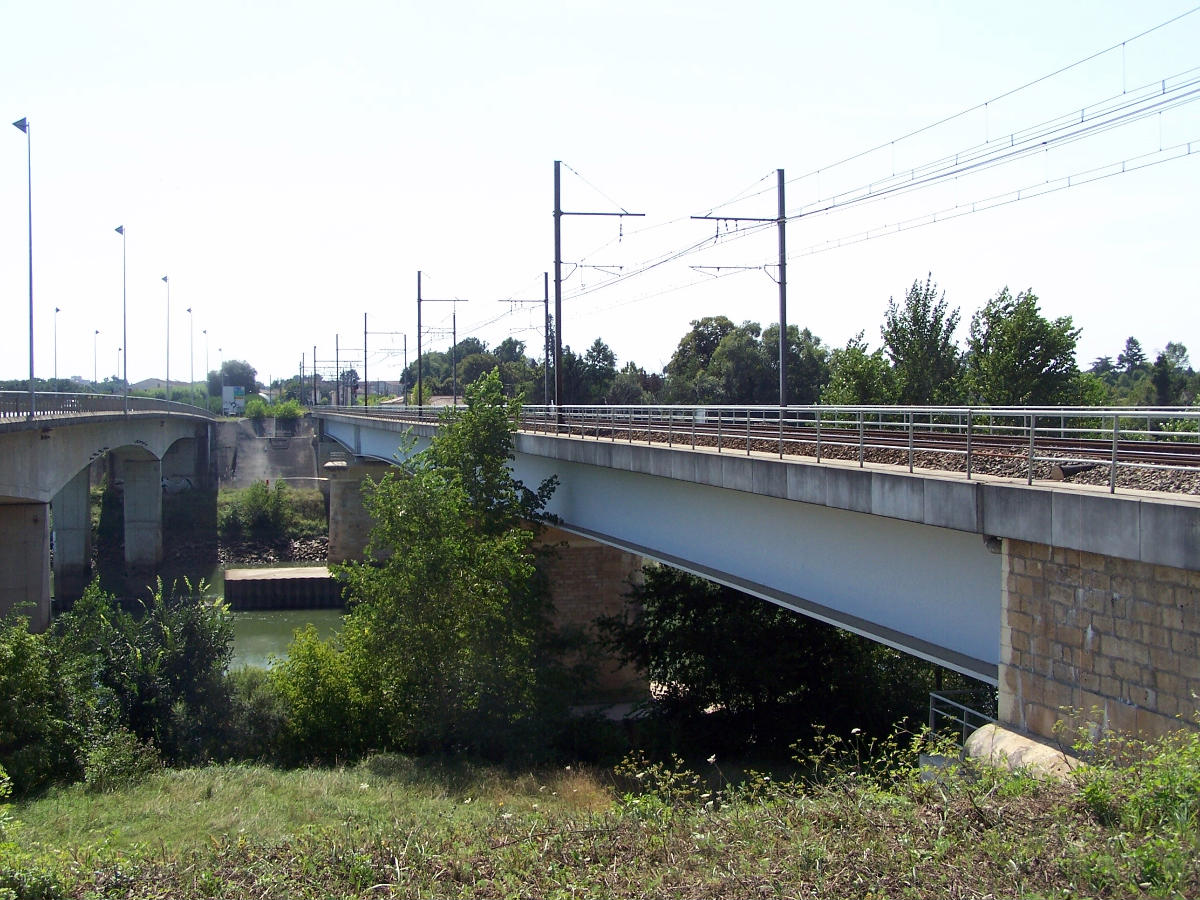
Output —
<point x="696" y="348"/>
<point x="1133" y="357"/>
<point x="807" y="366"/>
<point x="858" y="376"/>
<point x="449" y="618"/>
<point x="774" y="671"/>
<point x="918" y="338"/>
<point x="235" y="372"/>
<point x="741" y="366"/>
<point x="1017" y="357"/>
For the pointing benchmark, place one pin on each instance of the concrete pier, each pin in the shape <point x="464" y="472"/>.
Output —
<point x="303" y="587"/>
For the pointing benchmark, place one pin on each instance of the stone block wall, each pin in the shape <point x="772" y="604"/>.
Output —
<point x="1114" y="639"/>
<point x="587" y="580"/>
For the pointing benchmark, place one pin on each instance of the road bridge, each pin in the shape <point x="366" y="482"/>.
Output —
<point x="45" y="458"/>
<point x="1060" y="595"/>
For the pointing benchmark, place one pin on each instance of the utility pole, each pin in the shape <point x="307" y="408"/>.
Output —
<point x="366" y="384"/>
<point x="780" y="222"/>
<point x="545" y="301"/>
<point x="559" y="212"/>
<point x="337" y="365"/>
<point x="420" y="300"/>
<point x="314" y="375"/>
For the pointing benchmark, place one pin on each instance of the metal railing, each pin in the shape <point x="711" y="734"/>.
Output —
<point x="958" y="713"/>
<point x="1029" y="442"/>
<point x="14" y="405"/>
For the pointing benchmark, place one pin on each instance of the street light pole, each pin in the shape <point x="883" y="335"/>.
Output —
<point x="95" y="366"/>
<point x="192" y="358"/>
<point x="207" y="395"/>
<point x="56" y="312"/>
<point x="168" y="284"/>
<point x="23" y="124"/>
<point x="120" y="229"/>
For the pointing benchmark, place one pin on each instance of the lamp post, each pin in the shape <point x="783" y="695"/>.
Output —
<point x="207" y="395"/>
<point x="56" y="312"/>
<point x="23" y="124"/>
<point x="168" y="284"/>
<point x="191" y="358"/>
<point x="120" y="229"/>
<point x="95" y="367"/>
<point x="118" y="375"/>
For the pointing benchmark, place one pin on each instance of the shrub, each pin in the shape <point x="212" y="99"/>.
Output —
<point x="256" y="717"/>
<point x="288" y="410"/>
<point x="256" y="409"/>
<point x="117" y="759"/>
<point x="41" y="734"/>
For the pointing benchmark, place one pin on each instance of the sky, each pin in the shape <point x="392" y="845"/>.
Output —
<point x="292" y="166"/>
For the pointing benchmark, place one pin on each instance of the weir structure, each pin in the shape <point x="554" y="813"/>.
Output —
<point x="1077" y="604"/>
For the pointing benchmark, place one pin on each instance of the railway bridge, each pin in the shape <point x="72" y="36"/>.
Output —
<point x="46" y="453"/>
<point x="938" y="532"/>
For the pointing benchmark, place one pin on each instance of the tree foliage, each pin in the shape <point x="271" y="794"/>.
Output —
<point x="918" y="338"/>
<point x="449" y="620"/>
<point x="1017" y="357"/>
<point x="774" y="672"/>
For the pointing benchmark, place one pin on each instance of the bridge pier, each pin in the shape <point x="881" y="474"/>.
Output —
<point x="349" y="522"/>
<point x="143" y="513"/>
<point x="25" y="562"/>
<point x="72" y="538"/>
<point x="1098" y="641"/>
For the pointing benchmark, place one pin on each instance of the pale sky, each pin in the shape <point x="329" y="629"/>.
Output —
<point x="291" y="166"/>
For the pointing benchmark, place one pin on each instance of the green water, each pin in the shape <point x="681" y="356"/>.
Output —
<point x="259" y="635"/>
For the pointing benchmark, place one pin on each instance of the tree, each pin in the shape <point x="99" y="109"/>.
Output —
<point x="1133" y="357"/>
<point x="740" y="365"/>
<point x="449" y="622"/>
<point x="510" y="350"/>
<point x="696" y="348"/>
<point x="919" y="340"/>
<point x="1017" y="357"/>
<point x="859" y="377"/>
<point x="236" y="372"/>
<point x="600" y="365"/>
<point x="774" y="671"/>
<point x="807" y="366"/>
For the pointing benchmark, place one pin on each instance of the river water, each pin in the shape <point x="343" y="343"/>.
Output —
<point x="259" y="635"/>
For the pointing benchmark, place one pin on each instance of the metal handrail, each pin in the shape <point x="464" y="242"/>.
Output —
<point x="950" y="708"/>
<point x="14" y="405"/>
<point x="1119" y="438"/>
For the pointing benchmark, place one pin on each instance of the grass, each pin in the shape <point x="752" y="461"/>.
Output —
<point x="395" y="826"/>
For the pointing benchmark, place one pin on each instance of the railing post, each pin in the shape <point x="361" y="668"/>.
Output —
<point x="1112" y="470"/>
<point x="969" y="418"/>
<point x="818" y="435"/>
<point x="670" y="426"/>
<point x="861" y="439"/>
<point x="1032" y="430"/>
<point x="747" y="432"/>
<point x="910" y="443"/>
<point x="718" y="429"/>
<point x="693" y="428"/>
<point x="782" y="413"/>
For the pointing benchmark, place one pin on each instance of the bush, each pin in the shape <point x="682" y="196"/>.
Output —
<point x="287" y="410"/>
<point x="118" y="759"/>
<point x="41" y="731"/>
<point x="258" y="512"/>
<point x="325" y="718"/>
<point x="256" y="409"/>
<point x="256" y="717"/>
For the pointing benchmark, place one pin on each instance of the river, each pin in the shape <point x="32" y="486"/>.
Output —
<point x="260" y="635"/>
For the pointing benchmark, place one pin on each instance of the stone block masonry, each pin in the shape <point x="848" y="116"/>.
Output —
<point x="1097" y="640"/>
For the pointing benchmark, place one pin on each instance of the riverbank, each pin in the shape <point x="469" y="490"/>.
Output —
<point x="859" y="825"/>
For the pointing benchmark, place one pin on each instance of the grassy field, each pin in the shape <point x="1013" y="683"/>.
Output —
<point x="393" y="826"/>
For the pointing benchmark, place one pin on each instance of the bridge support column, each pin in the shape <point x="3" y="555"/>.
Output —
<point x="1097" y="641"/>
<point x="349" y="523"/>
<point x="587" y="580"/>
<point x="143" y="513"/>
<point x="72" y="539"/>
<point x="25" y="562"/>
